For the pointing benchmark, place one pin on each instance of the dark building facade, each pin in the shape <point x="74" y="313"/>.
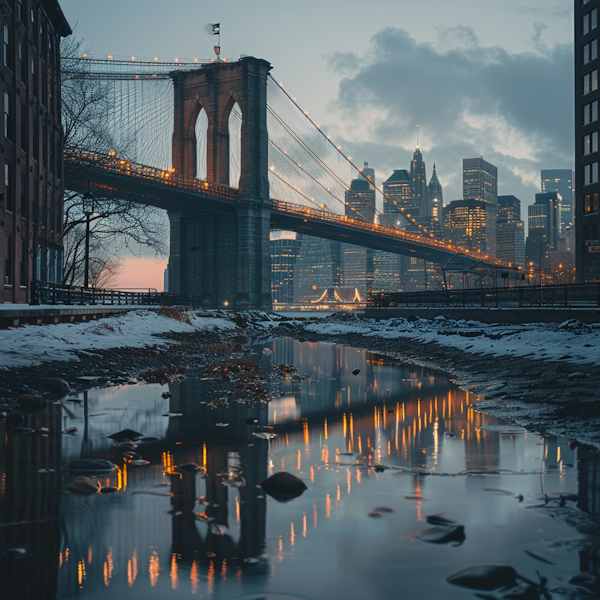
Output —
<point x="587" y="187"/>
<point x="510" y="233"/>
<point x="31" y="146"/>
<point x="561" y="181"/>
<point x="285" y="250"/>
<point x="418" y="176"/>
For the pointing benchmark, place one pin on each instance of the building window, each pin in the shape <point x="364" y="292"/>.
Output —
<point x="7" y="56"/>
<point x="23" y="265"/>
<point x="590" y="82"/>
<point x="590" y="113"/>
<point x="590" y="21"/>
<point x="24" y="138"/>
<point x="7" y="117"/>
<point x="590" y="174"/>
<point x="8" y="189"/>
<point x="590" y="143"/>
<point x="35" y="78"/>
<point x="590" y="203"/>
<point x="24" y="202"/>
<point x="22" y="63"/>
<point x="590" y="52"/>
<point x="8" y="261"/>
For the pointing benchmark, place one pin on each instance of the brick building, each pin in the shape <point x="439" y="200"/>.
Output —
<point x="31" y="186"/>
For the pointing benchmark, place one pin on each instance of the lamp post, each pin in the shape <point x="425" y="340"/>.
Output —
<point x="88" y="211"/>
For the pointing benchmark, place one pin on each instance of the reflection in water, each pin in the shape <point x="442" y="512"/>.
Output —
<point x="387" y="437"/>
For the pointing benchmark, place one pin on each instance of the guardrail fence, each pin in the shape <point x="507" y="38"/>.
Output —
<point x="43" y="292"/>
<point x="573" y="295"/>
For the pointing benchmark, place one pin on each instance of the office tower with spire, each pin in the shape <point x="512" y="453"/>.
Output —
<point x="418" y="182"/>
<point x="435" y="201"/>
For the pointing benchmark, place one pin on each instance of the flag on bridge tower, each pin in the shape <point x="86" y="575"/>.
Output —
<point x="217" y="50"/>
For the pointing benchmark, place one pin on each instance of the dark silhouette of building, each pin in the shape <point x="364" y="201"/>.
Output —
<point x="31" y="195"/>
<point x="587" y="216"/>
<point x="397" y="197"/>
<point x="561" y="181"/>
<point x="418" y="181"/>
<point x="510" y="234"/>
<point x="285" y="249"/>
<point x="435" y="202"/>
<point x="544" y="229"/>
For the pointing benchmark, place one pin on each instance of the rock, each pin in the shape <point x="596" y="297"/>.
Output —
<point x="57" y="385"/>
<point x="83" y="485"/>
<point x="91" y="465"/>
<point x="124" y="435"/>
<point x="412" y="318"/>
<point x="241" y="321"/>
<point x="438" y="520"/>
<point x="21" y="430"/>
<point x="189" y="467"/>
<point x="356" y="372"/>
<point x="574" y="376"/>
<point x="167" y="395"/>
<point x="441" y="534"/>
<point x="108" y="490"/>
<point x="484" y="577"/>
<point x="31" y="401"/>
<point x="283" y="486"/>
<point x="251" y="421"/>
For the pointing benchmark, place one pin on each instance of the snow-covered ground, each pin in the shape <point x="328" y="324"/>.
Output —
<point x="33" y="344"/>
<point x="570" y="342"/>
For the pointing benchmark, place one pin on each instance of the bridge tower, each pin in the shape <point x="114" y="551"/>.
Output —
<point x="223" y="255"/>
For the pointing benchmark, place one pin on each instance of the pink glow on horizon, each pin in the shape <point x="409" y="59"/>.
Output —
<point x="141" y="273"/>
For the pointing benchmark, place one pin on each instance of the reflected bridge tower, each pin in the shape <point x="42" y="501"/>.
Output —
<point x="221" y="254"/>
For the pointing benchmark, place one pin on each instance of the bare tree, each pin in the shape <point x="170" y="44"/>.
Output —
<point x="117" y="226"/>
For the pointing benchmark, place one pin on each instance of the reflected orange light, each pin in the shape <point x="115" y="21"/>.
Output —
<point x="204" y="455"/>
<point x="237" y="509"/>
<point x="358" y="475"/>
<point x="132" y="569"/>
<point x="154" y="568"/>
<point x="349" y="479"/>
<point x="304" y="525"/>
<point x="194" y="576"/>
<point x="312" y="474"/>
<point x="224" y="570"/>
<point x="338" y="493"/>
<point x="315" y="515"/>
<point x="211" y="577"/>
<point x="325" y="428"/>
<point x="305" y="431"/>
<point x="359" y="445"/>
<point x="89" y="555"/>
<point x="298" y="466"/>
<point x="344" y="423"/>
<point x="292" y="535"/>
<point x="174" y="578"/>
<point x="325" y="455"/>
<point x="351" y="427"/>
<point x="80" y="571"/>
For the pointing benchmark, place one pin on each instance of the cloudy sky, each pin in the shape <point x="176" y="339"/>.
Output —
<point x="477" y="76"/>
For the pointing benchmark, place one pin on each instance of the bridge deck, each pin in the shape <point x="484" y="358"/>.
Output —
<point x="172" y="191"/>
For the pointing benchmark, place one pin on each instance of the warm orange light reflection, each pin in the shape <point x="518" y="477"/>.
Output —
<point x="292" y="536"/>
<point x="211" y="577"/>
<point x="174" y="578"/>
<point x="194" y="576"/>
<point x="153" y="568"/>
<point x="328" y="507"/>
<point x="304" y="525"/>
<point x="132" y="569"/>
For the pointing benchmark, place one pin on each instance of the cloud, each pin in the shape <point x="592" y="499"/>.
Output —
<point x="560" y="9"/>
<point x="468" y="99"/>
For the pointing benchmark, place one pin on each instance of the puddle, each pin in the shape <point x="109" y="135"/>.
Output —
<point x="379" y="452"/>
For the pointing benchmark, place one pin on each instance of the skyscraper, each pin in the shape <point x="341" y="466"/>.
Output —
<point x="360" y="200"/>
<point x="397" y="195"/>
<point x="561" y="181"/>
<point x="480" y="180"/>
<point x="544" y="227"/>
<point x="285" y="249"/>
<point x="480" y="184"/>
<point x="510" y="235"/>
<point x="435" y="201"/>
<point x="587" y="187"/>
<point x="418" y="182"/>
<point x="471" y="224"/>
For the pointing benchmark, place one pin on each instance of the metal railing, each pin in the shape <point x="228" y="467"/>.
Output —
<point x="44" y="292"/>
<point x="572" y="295"/>
<point x="111" y="163"/>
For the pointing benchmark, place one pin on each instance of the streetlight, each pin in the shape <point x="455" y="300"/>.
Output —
<point x="88" y="210"/>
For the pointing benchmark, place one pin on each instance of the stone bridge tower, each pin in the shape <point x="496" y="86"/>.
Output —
<point x="223" y="255"/>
